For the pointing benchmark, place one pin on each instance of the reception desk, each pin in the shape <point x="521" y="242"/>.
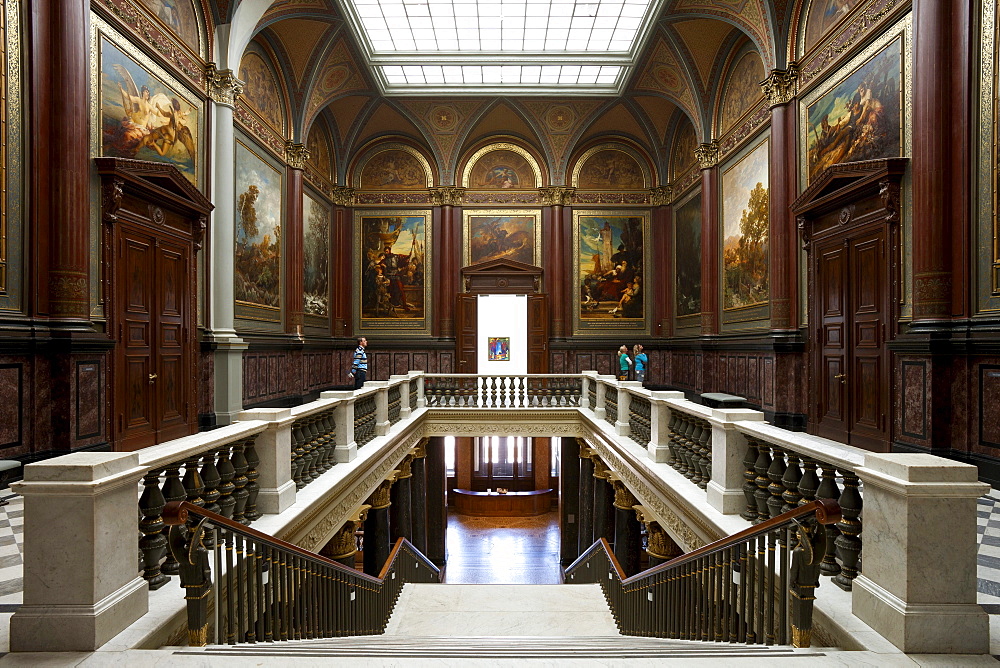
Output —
<point x="511" y="504"/>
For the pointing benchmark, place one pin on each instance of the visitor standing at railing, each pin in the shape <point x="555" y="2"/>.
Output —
<point x="641" y="362"/>
<point x="359" y="364"/>
<point x="624" y="362"/>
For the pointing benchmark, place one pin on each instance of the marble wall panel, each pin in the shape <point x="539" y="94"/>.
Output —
<point x="206" y="382"/>
<point x="11" y="404"/>
<point x="89" y="398"/>
<point x="988" y="404"/>
<point x="913" y="390"/>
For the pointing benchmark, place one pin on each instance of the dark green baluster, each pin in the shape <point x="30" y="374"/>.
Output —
<point x="153" y="542"/>
<point x="173" y="490"/>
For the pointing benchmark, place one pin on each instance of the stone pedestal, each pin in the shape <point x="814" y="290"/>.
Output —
<point x="274" y="448"/>
<point x="659" y="426"/>
<point x="917" y="586"/>
<point x="81" y="582"/>
<point x="346" y="448"/>
<point x="725" y="489"/>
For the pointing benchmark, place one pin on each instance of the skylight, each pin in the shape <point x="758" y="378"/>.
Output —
<point x="503" y="46"/>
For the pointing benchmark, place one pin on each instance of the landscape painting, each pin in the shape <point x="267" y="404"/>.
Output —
<point x="687" y="258"/>
<point x="745" y="199"/>
<point x="393" y="267"/>
<point x="316" y="256"/>
<point x="859" y="118"/>
<point x="498" y="348"/>
<point x="610" y="261"/>
<point x="144" y="117"/>
<point x="258" y="230"/>
<point x="503" y="235"/>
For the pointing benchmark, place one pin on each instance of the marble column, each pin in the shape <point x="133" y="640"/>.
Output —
<point x="569" y="500"/>
<point x="437" y="511"/>
<point x="556" y="232"/>
<point x="780" y="88"/>
<point x="708" y="157"/>
<point x="660" y="547"/>
<point x="377" y="545"/>
<point x="628" y="533"/>
<point x="418" y="499"/>
<point x="586" y="496"/>
<point x="604" y="507"/>
<point x="449" y="199"/>
<point x="294" y="238"/>
<point x="343" y="547"/>
<point x="400" y="522"/>
<point x="342" y="266"/>
<point x="662" y="281"/>
<point x="223" y="89"/>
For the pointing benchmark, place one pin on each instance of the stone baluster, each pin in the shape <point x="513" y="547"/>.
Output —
<point x="328" y="428"/>
<point x="793" y="474"/>
<point x="749" y="478"/>
<point x="173" y="490"/>
<point x="672" y="446"/>
<point x="705" y="453"/>
<point x="809" y="482"/>
<point x="776" y="474"/>
<point x="694" y="456"/>
<point x="762" y="495"/>
<point x="240" y="494"/>
<point x="298" y="443"/>
<point x="153" y="543"/>
<point x="493" y="392"/>
<point x="309" y="450"/>
<point x="210" y="476"/>
<point x="848" y="543"/>
<point x="684" y="445"/>
<point x="253" y="487"/>
<point x="828" y="490"/>
<point x="194" y="486"/>
<point x="226" y="487"/>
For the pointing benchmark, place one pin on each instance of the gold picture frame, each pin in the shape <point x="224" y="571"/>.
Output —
<point x="510" y="239"/>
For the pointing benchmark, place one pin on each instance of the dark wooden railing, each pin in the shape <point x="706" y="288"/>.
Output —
<point x="268" y="590"/>
<point x="755" y="587"/>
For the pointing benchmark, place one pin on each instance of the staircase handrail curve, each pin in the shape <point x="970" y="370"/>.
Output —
<point x="176" y="513"/>
<point x="827" y="511"/>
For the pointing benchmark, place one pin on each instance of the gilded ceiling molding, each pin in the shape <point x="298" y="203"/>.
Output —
<point x="707" y="154"/>
<point x="557" y="195"/>
<point x="500" y="146"/>
<point x="222" y="86"/>
<point x="447" y="196"/>
<point x="781" y="85"/>
<point x="296" y="155"/>
<point x="661" y="195"/>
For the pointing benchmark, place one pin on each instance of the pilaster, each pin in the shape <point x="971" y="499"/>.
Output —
<point x="708" y="159"/>
<point x="294" y="241"/>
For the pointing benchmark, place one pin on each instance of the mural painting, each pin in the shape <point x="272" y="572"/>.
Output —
<point x="498" y="348"/>
<point x="502" y="170"/>
<point x="258" y="230"/>
<point x="609" y="253"/>
<point x="684" y="148"/>
<point x="261" y="90"/>
<point x="687" y="244"/>
<point x="859" y="118"/>
<point x="611" y="170"/>
<point x="145" y="118"/>
<point x="745" y="199"/>
<point x="393" y="170"/>
<point x="743" y="90"/>
<point x="319" y="151"/>
<point x="179" y="16"/>
<point x="823" y="15"/>
<point x="502" y="235"/>
<point x="316" y="256"/>
<point x="393" y="267"/>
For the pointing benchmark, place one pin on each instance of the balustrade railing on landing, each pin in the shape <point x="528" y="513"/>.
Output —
<point x="491" y="391"/>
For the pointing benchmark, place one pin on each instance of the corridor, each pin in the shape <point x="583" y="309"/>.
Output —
<point x="503" y="550"/>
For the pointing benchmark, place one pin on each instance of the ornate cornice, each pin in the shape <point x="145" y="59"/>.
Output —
<point x="447" y="196"/>
<point x="296" y="155"/>
<point x="556" y="195"/>
<point x="343" y="196"/>
<point x="222" y="85"/>
<point x="661" y="195"/>
<point x="781" y="86"/>
<point x="707" y="154"/>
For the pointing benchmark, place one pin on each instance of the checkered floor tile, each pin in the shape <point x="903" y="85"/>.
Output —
<point x="11" y="539"/>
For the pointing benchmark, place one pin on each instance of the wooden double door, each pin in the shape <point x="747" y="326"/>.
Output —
<point x="467" y="331"/>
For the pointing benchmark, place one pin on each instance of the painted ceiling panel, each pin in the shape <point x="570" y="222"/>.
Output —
<point x="618" y="120"/>
<point x="660" y="112"/>
<point x="386" y="120"/>
<point x="703" y="37"/>
<point x="345" y="111"/>
<point x="300" y="37"/>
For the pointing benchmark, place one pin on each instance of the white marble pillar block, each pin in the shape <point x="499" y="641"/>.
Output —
<point x="404" y="395"/>
<point x="274" y="449"/>
<point x="418" y="378"/>
<point x="917" y="586"/>
<point x="81" y="581"/>
<point x="600" y="411"/>
<point x="659" y="421"/>
<point x="382" y="423"/>
<point x="624" y="399"/>
<point x="729" y="447"/>
<point x="346" y="449"/>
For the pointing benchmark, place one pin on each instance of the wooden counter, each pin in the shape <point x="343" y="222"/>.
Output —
<point x="511" y="504"/>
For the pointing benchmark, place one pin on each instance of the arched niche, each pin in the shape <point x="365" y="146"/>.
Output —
<point x="611" y="166"/>
<point x="501" y="166"/>
<point x="392" y="166"/>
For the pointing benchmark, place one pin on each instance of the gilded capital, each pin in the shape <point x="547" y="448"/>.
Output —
<point x="404" y="468"/>
<point x="343" y="196"/>
<point x="660" y="544"/>
<point x="557" y="195"/>
<point x="296" y="155"/>
<point x="419" y="451"/>
<point x="222" y="85"/>
<point x="781" y="86"/>
<point x="707" y="154"/>
<point x="380" y="497"/>
<point x="624" y="498"/>
<point x="447" y="196"/>
<point x="601" y="470"/>
<point x="660" y="195"/>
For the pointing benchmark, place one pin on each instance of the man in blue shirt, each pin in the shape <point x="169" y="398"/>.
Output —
<point x="359" y="364"/>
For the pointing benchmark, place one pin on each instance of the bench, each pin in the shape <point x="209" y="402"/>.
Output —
<point x="722" y="400"/>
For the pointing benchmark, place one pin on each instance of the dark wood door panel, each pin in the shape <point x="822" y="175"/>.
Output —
<point x="468" y="327"/>
<point x="538" y="334"/>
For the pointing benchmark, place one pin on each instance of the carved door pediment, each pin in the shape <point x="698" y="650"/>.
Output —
<point x="502" y="276"/>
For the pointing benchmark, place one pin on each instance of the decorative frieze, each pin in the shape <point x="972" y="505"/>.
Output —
<point x="392" y="198"/>
<point x="707" y="154"/>
<point x="556" y="195"/>
<point x="222" y="86"/>
<point x="631" y="199"/>
<point x="503" y="197"/>
<point x="296" y="155"/>
<point x="781" y="85"/>
<point x="447" y="196"/>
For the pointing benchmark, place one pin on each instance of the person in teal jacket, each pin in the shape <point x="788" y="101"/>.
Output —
<point x="641" y="362"/>
<point x="624" y="363"/>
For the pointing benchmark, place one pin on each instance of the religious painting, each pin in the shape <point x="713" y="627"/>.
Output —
<point x="508" y="235"/>
<point x="824" y="15"/>
<point x="318" y="146"/>
<point x="743" y="90"/>
<point x="144" y="115"/>
<point x="393" y="270"/>
<point x="860" y="117"/>
<point x="261" y="91"/>
<point x="315" y="256"/>
<point x="611" y="169"/>
<point x="609" y="252"/>
<point x="687" y="256"/>
<point x="179" y="16"/>
<point x="258" y="230"/>
<point x="745" y="198"/>
<point x="684" y="146"/>
<point x="502" y="170"/>
<point x="498" y="348"/>
<point x="394" y="169"/>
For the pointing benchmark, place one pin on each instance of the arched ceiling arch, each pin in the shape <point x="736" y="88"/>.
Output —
<point x="756" y="18"/>
<point x="503" y="116"/>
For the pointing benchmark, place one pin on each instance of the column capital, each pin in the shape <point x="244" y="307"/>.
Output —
<point x="343" y="195"/>
<point x="380" y="497"/>
<point x="557" y="195"/>
<point x="222" y="85"/>
<point x="624" y="498"/>
<point x="707" y="154"/>
<point x="601" y="469"/>
<point x="781" y="85"/>
<point x="419" y="451"/>
<point x="404" y="468"/>
<point x="447" y="196"/>
<point x="661" y="195"/>
<point x="296" y="155"/>
<point x="660" y="544"/>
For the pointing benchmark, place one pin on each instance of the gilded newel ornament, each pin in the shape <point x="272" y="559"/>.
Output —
<point x="447" y="196"/>
<point x="660" y="195"/>
<point x="624" y="498"/>
<point x="781" y="86"/>
<point x="222" y="85"/>
<point x="707" y="154"/>
<point x="296" y="155"/>
<point x="343" y="196"/>
<point x="557" y="195"/>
